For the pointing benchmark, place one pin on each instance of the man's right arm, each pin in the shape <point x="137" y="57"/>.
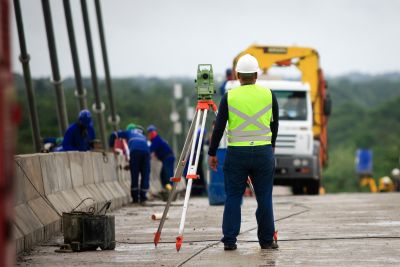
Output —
<point x="220" y="125"/>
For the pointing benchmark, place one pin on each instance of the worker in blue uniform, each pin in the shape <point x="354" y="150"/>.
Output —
<point x="164" y="153"/>
<point x="139" y="161"/>
<point x="52" y="144"/>
<point x="80" y="135"/>
<point x="228" y="77"/>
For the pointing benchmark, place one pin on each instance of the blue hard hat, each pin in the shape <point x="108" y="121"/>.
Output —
<point x="85" y="117"/>
<point x="151" y="128"/>
<point x="228" y="72"/>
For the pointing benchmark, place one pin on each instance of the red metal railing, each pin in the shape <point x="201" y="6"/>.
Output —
<point x="8" y="119"/>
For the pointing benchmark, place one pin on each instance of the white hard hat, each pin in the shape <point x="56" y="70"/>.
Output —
<point x="395" y="173"/>
<point x="247" y="64"/>
<point x="386" y="180"/>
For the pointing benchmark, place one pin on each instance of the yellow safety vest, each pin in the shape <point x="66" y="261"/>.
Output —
<point x="250" y="113"/>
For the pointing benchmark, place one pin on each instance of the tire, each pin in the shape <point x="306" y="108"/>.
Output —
<point x="313" y="187"/>
<point x="298" y="189"/>
<point x="76" y="246"/>
<point x="111" y="246"/>
<point x="92" y="248"/>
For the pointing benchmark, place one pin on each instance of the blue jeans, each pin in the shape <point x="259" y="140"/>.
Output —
<point x="139" y="164"/>
<point x="258" y="163"/>
<point x="167" y="170"/>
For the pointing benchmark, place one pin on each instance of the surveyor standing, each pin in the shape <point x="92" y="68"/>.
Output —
<point x="164" y="153"/>
<point x="139" y="160"/>
<point x="252" y="115"/>
<point x="80" y="135"/>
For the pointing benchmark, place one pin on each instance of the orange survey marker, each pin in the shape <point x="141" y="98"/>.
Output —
<point x="276" y="236"/>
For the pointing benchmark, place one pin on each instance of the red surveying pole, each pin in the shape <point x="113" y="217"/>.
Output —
<point x="9" y="116"/>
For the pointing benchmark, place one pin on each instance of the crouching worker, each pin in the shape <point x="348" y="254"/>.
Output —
<point x="139" y="160"/>
<point x="80" y="135"/>
<point x="164" y="154"/>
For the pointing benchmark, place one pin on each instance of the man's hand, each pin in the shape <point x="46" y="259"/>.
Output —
<point x="213" y="163"/>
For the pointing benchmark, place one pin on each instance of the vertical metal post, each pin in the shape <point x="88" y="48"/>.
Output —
<point x="80" y="91"/>
<point x="61" y="107"/>
<point x="174" y="140"/>
<point x="98" y="106"/>
<point x="114" y="118"/>
<point x="186" y="120"/>
<point x="24" y="58"/>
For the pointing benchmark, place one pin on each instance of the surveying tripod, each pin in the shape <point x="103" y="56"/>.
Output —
<point x="192" y="152"/>
<point x="192" y="147"/>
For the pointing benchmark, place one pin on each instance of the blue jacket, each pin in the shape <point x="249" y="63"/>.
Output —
<point x="222" y="90"/>
<point x="161" y="148"/>
<point x="77" y="138"/>
<point x="136" y="140"/>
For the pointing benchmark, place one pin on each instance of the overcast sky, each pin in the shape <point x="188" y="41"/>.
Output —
<point x="169" y="38"/>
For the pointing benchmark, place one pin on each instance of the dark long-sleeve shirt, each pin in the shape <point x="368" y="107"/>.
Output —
<point x="222" y="119"/>
<point x="161" y="148"/>
<point x="78" y="138"/>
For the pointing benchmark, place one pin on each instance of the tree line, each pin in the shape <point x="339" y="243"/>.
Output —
<point x="365" y="115"/>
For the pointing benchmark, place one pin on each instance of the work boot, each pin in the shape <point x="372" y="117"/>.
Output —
<point x="143" y="202"/>
<point x="135" y="196"/>
<point x="135" y="199"/>
<point x="272" y="245"/>
<point x="230" y="247"/>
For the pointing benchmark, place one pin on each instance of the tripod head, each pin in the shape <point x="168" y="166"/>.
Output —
<point x="205" y="82"/>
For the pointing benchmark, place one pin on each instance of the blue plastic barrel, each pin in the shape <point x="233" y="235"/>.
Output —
<point x="216" y="186"/>
<point x="364" y="161"/>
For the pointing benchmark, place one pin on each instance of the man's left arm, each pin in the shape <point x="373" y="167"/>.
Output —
<point x="274" y="124"/>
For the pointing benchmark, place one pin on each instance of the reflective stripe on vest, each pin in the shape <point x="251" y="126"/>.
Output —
<point x="250" y="132"/>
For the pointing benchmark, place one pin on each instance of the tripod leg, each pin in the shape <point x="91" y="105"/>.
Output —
<point x="178" y="174"/>
<point x="249" y="182"/>
<point x="191" y="173"/>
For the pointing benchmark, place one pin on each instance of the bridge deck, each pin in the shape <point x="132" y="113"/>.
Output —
<point x="330" y="230"/>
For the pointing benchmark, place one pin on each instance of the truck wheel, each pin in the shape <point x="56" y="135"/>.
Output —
<point x="313" y="187"/>
<point x="75" y="246"/>
<point x="110" y="246"/>
<point x="298" y="189"/>
<point x="92" y="248"/>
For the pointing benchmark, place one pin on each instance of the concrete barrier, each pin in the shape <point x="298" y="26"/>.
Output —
<point x="27" y="225"/>
<point x="49" y="184"/>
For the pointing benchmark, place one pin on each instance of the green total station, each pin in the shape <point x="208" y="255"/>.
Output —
<point x="205" y="82"/>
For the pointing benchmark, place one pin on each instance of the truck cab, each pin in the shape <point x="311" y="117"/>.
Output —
<point x="296" y="151"/>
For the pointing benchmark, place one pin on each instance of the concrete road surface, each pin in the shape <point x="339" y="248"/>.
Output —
<point x="329" y="230"/>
